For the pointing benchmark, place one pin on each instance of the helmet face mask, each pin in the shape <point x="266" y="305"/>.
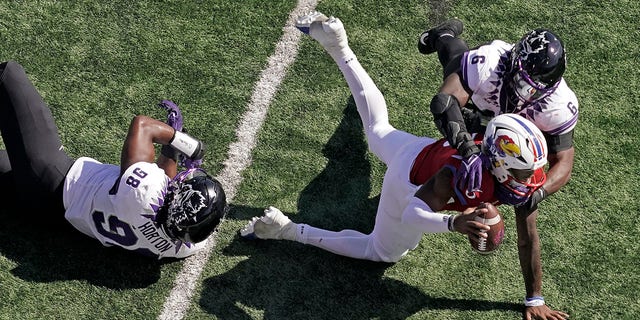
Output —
<point x="523" y="186"/>
<point x="522" y="175"/>
<point x="516" y="149"/>
<point x="537" y="64"/>
<point x="194" y="206"/>
<point x="527" y="89"/>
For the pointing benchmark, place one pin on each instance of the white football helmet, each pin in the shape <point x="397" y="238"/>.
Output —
<point x="517" y="149"/>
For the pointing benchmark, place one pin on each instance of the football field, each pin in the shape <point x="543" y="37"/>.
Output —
<point x="281" y="129"/>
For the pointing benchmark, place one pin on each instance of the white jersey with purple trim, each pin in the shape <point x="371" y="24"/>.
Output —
<point x="121" y="212"/>
<point x="483" y="72"/>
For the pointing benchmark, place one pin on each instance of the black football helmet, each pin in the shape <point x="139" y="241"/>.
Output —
<point x="537" y="64"/>
<point x="194" y="206"/>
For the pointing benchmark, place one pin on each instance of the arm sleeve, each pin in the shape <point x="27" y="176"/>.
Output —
<point x="557" y="143"/>
<point x="419" y="215"/>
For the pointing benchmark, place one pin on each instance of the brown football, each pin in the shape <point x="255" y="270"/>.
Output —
<point x="494" y="235"/>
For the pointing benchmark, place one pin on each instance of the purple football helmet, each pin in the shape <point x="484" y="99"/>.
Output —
<point x="537" y="64"/>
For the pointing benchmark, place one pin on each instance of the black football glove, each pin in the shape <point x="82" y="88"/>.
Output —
<point x="536" y="197"/>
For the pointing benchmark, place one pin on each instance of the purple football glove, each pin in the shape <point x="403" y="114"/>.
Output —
<point x="174" y="116"/>
<point x="469" y="176"/>
<point x="507" y="196"/>
<point x="189" y="163"/>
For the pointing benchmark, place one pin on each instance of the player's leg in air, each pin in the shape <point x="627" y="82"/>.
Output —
<point x="383" y="139"/>
<point x="444" y="39"/>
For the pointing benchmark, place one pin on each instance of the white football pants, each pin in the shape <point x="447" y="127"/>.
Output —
<point x="390" y="239"/>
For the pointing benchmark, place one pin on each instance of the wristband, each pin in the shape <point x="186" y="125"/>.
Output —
<point x="450" y="222"/>
<point x="534" y="301"/>
<point x="185" y="144"/>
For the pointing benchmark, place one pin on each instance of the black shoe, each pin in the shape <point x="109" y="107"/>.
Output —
<point x="427" y="40"/>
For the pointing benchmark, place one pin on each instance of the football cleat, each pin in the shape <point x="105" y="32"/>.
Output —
<point x="273" y="225"/>
<point x="329" y="32"/>
<point x="427" y="40"/>
<point x="303" y="23"/>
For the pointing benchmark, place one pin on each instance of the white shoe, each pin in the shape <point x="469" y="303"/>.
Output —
<point x="329" y="32"/>
<point x="273" y="225"/>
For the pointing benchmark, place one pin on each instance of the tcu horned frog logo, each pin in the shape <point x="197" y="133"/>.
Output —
<point x="186" y="203"/>
<point x="533" y="45"/>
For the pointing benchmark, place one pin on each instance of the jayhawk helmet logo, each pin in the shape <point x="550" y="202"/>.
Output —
<point x="502" y="146"/>
<point x="505" y="146"/>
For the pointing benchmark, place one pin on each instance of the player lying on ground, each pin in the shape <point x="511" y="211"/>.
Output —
<point x="140" y="205"/>
<point x="419" y="180"/>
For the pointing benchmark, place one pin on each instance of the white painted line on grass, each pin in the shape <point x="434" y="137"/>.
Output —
<point x="239" y="156"/>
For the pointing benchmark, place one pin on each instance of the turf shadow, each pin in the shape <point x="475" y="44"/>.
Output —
<point x="338" y="197"/>
<point x="55" y="251"/>
<point x="287" y="280"/>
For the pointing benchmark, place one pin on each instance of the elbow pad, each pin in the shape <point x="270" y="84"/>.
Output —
<point x="448" y="119"/>
<point x="419" y="215"/>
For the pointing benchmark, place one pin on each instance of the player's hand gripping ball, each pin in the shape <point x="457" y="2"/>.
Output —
<point x="494" y="235"/>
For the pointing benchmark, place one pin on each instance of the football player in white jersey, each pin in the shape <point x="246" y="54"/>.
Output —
<point x="143" y="205"/>
<point x="418" y="183"/>
<point x="495" y="78"/>
<point x="524" y="78"/>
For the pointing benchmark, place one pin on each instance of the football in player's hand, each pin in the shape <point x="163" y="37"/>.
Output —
<point x="494" y="235"/>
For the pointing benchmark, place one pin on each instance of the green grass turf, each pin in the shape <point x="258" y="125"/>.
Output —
<point x="99" y="63"/>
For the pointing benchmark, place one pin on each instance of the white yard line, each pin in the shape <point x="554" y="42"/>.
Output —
<point x="239" y="156"/>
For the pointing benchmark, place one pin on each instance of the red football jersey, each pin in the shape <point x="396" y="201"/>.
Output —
<point x="440" y="154"/>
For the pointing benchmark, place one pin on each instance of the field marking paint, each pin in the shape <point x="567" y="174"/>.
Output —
<point x="239" y="156"/>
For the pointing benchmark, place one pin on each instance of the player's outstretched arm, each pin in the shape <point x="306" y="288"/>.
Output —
<point x="168" y="158"/>
<point x="560" y="168"/>
<point x="447" y="115"/>
<point x="530" y="263"/>
<point x="559" y="174"/>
